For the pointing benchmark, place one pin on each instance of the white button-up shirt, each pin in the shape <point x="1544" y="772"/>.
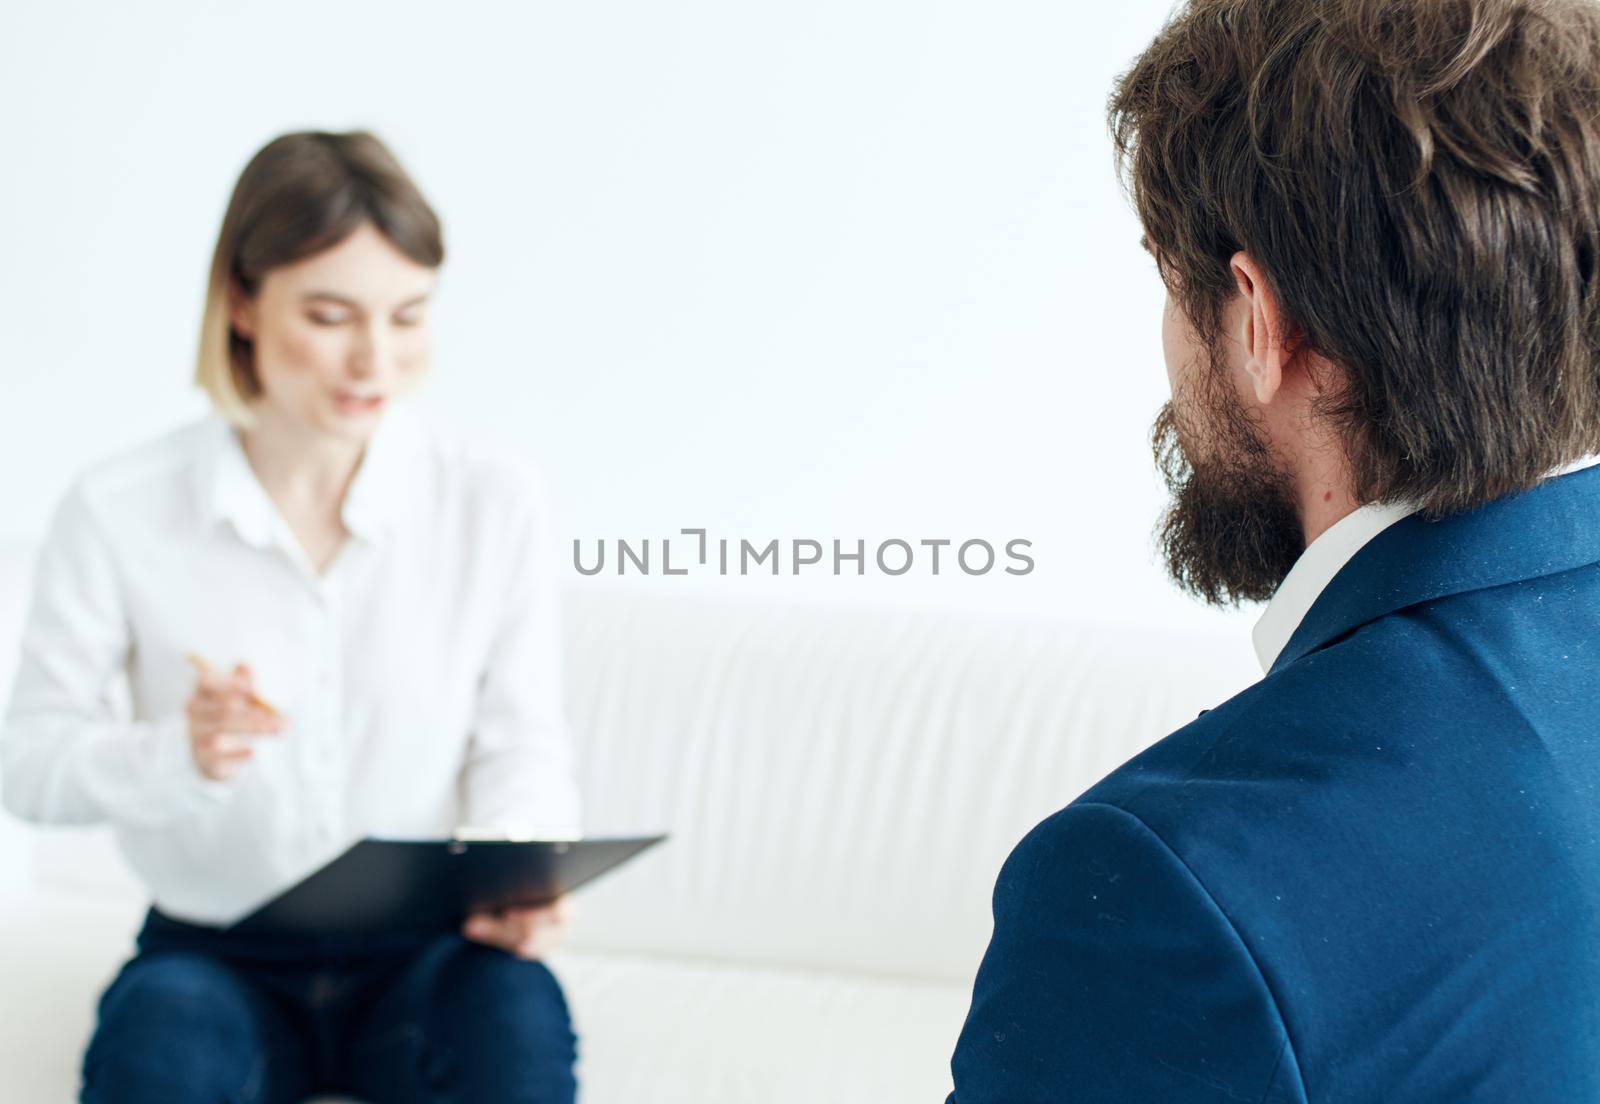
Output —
<point x="1323" y="558"/>
<point x="420" y="674"/>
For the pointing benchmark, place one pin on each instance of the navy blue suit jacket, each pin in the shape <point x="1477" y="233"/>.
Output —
<point x="1372" y="876"/>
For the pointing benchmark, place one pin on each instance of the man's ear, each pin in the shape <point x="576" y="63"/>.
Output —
<point x="1264" y="332"/>
<point x="241" y="310"/>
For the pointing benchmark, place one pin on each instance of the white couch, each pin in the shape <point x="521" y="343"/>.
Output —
<point x="841" y="784"/>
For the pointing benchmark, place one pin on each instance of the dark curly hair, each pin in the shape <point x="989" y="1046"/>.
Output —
<point x="1420" y="180"/>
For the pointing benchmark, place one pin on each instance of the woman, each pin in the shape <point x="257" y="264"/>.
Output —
<point x="337" y="620"/>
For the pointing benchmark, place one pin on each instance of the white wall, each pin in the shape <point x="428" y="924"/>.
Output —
<point x="842" y="268"/>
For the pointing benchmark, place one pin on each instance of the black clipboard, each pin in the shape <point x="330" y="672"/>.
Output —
<point x="387" y="885"/>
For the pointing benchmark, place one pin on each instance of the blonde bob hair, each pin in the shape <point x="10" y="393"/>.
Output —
<point x="300" y="194"/>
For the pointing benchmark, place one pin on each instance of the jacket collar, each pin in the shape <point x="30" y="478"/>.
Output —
<point x="227" y="488"/>
<point x="1541" y="531"/>
<point x="1312" y="572"/>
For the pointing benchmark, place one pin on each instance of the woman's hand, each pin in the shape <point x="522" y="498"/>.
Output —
<point x="525" y="931"/>
<point x="225" y="715"/>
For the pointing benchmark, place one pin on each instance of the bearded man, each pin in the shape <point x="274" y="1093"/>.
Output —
<point x="1374" y="875"/>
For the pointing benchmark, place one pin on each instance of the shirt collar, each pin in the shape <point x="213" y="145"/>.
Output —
<point x="1318" y="564"/>
<point x="384" y="483"/>
<point x="228" y="489"/>
<point x="1322" y="560"/>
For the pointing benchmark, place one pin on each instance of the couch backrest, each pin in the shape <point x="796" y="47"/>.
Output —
<point x="841" y="783"/>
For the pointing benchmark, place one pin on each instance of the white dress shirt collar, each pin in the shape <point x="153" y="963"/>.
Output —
<point x="1322" y="560"/>
<point x="1315" y="568"/>
<point x="228" y="488"/>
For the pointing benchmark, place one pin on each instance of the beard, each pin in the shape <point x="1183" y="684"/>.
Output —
<point x="1232" y="530"/>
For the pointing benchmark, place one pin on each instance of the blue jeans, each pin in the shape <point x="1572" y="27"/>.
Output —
<point x="199" y="1016"/>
